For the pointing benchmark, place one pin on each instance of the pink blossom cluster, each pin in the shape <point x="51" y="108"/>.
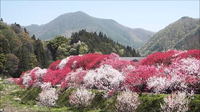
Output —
<point x="159" y="72"/>
<point x="166" y="58"/>
<point x="32" y="77"/>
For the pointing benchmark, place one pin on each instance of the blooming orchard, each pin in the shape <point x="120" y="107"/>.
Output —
<point x="158" y="72"/>
<point x="161" y="72"/>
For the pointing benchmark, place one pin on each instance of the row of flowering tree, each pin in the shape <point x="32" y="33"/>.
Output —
<point x="158" y="72"/>
<point x="161" y="72"/>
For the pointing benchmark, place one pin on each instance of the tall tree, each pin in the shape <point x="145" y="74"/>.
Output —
<point x="11" y="65"/>
<point x="53" y="45"/>
<point x="27" y="59"/>
<point x="2" y="62"/>
<point x="40" y="53"/>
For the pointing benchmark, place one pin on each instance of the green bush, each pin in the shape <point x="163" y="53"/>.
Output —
<point x="150" y="103"/>
<point x="102" y="103"/>
<point x="29" y="96"/>
<point x="98" y="101"/>
<point x="194" y="105"/>
<point x="1" y="87"/>
<point x="63" y="99"/>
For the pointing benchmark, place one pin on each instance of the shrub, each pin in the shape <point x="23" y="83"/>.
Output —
<point x="166" y="84"/>
<point x="63" y="98"/>
<point x="188" y="66"/>
<point x="194" y="104"/>
<point x="29" y="96"/>
<point x="176" y="102"/>
<point x="48" y="96"/>
<point x="127" y="101"/>
<point x="150" y="102"/>
<point x="87" y="61"/>
<point x="56" y="76"/>
<point x="194" y="53"/>
<point x="74" y="79"/>
<point x="104" y="77"/>
<point x="118" y="64"/>
<point x="81" y="98"/>
<point x="137" y="79"/>
<point x="159" y="58"/>
<point x="158" y="84"/>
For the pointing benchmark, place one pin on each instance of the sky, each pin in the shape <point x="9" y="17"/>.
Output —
<point x="150" y="15"/>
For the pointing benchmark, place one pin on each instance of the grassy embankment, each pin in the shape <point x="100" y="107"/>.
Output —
<point x="17" y="99"/>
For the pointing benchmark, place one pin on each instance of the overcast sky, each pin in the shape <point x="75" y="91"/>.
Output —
<point x="150" y="15"/>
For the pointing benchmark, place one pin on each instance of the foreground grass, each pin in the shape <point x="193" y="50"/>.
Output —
<point x="17" y="99"/>
<point x="11" y="100"/>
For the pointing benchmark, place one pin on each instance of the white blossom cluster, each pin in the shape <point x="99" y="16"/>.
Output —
<point x="75" y="78"/>
<point x="178" y="72"/>
<point x="190" y="66"/>
<point x="48" y="96"/>
<point x="177" y="82"/>
<point x="63" y="62"/>
<point x="176" y="102"/>
<point x="127" y="101"/>
<point x="45" y="86"/>
<point x="127" y="69"/>
<point x="105" y="77"/>
<point x="81" y="98"/>
<point x="38" y="72"/>
<point x="160" y="84"/>
<point x="26" y="79"/>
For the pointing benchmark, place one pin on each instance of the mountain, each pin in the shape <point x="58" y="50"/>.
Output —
<point x="68" y="23"/>
<point x="182" y="34"/>
<point x="191" y="40"/>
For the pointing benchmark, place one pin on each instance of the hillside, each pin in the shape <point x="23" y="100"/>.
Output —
<point x="101" y="43"/>
<point x="68" y="23"/>
<point x="182" y="34"/>
<point x="20" y="52"/>
<point x="191" y="40"/>
<point x="84" y="42"/>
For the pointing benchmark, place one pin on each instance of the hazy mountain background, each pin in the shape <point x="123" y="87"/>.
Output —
<point x="183" y="34"/>
<point x="68" y="23"/>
